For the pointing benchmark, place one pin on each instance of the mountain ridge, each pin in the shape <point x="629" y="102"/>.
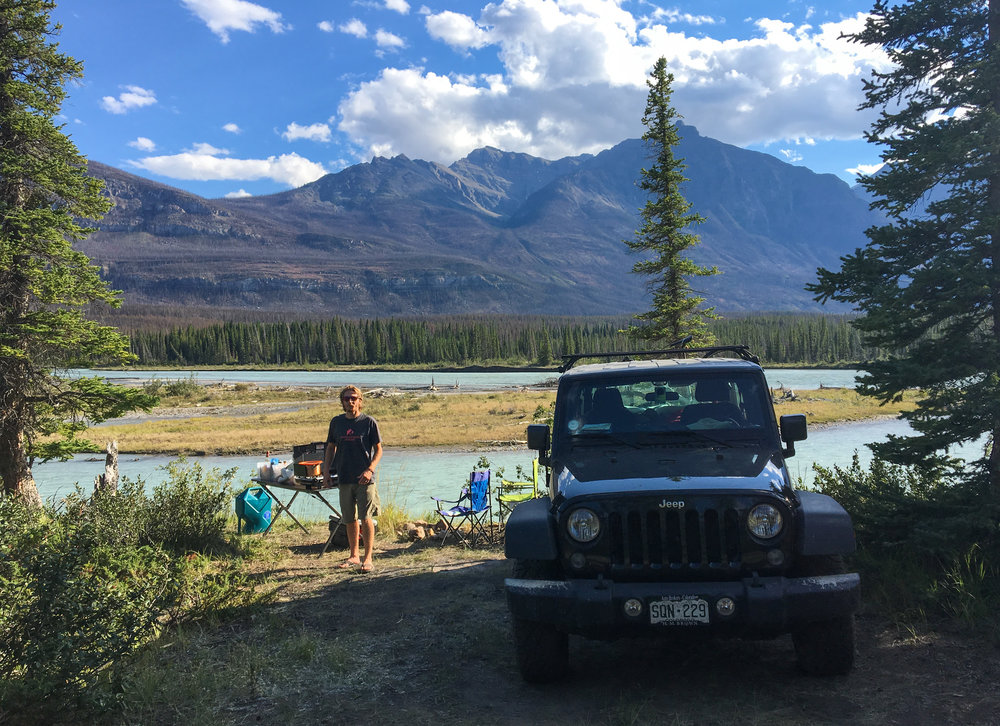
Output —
<point x="494" y="232"/>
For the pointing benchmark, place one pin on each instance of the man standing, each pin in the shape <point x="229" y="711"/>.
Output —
<point x="353" y="450"/>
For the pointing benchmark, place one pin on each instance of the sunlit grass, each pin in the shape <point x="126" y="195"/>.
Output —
<point x="440" y="420"/>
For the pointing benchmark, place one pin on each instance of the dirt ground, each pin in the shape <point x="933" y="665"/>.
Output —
<point x="430" y="633"/>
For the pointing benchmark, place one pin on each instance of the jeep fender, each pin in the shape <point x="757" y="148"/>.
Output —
<point x="824" y="526"/>
<point x="530" y="533"/>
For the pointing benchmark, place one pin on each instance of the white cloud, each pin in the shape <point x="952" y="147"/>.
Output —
<point x="207" y="150"/>
<point x="353" y="27"/>
<point x="400" y="6"/>
<point x="674" y="15"/>
<point x="132" y="97"/>
<point x="385" y="39"/>
<point x="232" y="128"/>
<point x="221" y="16"/>
<point x="791" y="155"/>
<point x="238" y="194"/>
<point x="325" y="25"/>
<point x="866" y="169"/>
<point x="574" y="76"/>
<point x="206" y="163"/>
<point x="457" y="30"/>
<point x="313" y="132"/>
<point x="143" y="144"/>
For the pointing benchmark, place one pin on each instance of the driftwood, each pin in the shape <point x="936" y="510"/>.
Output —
<point x="108" y="481"/>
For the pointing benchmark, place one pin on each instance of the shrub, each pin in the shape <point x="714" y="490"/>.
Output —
<point x="82" y="604"/>
<point x="925" y="539"/>
<point x="85" y="584"/>
<point x="188" y="511"/>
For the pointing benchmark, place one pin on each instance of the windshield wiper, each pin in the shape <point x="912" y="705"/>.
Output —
<point x="589" y="437"/>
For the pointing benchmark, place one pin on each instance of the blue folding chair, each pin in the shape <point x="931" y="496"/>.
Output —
<point x="473" y="507"/>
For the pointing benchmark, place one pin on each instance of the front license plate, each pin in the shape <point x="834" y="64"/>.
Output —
<point x="679" y="610"/>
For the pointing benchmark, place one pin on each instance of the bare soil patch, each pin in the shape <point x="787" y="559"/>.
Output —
<point x="427" y="637"/>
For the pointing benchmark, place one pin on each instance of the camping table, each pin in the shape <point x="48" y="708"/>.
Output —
<point x="299" y="486"/>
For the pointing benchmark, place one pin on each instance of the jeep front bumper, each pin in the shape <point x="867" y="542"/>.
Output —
<point x="762" y="604"/>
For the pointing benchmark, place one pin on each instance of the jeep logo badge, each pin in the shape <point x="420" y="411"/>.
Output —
<point x="675" y="504"/>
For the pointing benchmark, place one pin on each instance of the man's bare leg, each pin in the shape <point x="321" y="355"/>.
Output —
<point x="353" y="560"/>
<point x="368" y="527"/>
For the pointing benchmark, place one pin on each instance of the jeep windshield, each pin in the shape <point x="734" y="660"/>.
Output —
<point x="683" y="411"/>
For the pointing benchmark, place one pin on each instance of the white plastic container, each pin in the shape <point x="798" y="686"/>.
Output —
<point x="264" y="470"/>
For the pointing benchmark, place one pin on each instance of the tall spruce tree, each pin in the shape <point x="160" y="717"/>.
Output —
<point x="927" y="283"/>
<point x="664" y="236"/>
<point x="45" y="284"/>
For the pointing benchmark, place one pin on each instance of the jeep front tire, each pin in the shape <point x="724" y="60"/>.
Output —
<point x="542" y="650"/>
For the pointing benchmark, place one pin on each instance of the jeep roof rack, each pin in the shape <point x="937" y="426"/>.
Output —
<point x="677" y="351"/>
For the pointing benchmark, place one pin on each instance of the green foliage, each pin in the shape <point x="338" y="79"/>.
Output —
<point x="83" y="586"/>
<point x="83" y="602"/>
<point x="928" y="281"/>
<point x="47" y="285"/>
<point x="926" y="539"/>
<point x="188" y="511"/>
<point x="664" y="234"/>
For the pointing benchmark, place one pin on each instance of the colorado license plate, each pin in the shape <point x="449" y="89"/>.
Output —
<point x="680" y="610"/>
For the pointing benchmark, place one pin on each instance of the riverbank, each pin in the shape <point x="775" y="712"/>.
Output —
<point x="232" y="419"/>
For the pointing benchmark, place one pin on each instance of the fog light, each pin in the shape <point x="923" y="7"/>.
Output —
<point x="725" y="606"/>
<point x="578" y="560"/>
<point x="775" y="557"/>
<point x="633" y="607"/>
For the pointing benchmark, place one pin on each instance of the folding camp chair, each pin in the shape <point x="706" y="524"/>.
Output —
<point x="473" y="507"/>
<point x="512" y="493"/>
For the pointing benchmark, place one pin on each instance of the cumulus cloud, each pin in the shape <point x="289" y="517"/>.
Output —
<point x="386" y="40"/>
<point x="232" y="128"/>
<point x="238" y="194"/>
<point x="222" y="16"/>
<point x="325" y="25"/>
<point x="143" y="144"/>
<point x="313" y="132"/>
<point x="573" y="79"/>
<point x="400" y="6"/>
<point x="206" y="163"/>
<point x="457" y="30"/>
<point x="133" y="97"/>
<point x="353" y="27"/>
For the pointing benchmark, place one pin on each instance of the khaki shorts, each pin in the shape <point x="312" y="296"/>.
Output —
<point x="358" y="501"/>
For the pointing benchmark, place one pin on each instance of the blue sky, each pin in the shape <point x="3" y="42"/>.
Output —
<point x="236" y="98"/>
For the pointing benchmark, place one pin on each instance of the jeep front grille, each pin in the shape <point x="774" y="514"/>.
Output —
<point x="654" y="538"/>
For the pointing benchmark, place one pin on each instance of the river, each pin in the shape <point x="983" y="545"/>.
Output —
<point x="410" y="478"/>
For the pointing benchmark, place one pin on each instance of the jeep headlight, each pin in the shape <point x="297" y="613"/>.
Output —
<point x="765" y="521"/>
<point x="583" y="525"/>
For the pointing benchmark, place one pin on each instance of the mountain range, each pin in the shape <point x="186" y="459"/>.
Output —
<point x="495" y="232"/>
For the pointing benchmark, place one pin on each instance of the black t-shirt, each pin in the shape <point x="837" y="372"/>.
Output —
<point x="356" y="439"/>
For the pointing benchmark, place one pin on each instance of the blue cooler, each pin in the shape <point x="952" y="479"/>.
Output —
<point x="253" y="509"/>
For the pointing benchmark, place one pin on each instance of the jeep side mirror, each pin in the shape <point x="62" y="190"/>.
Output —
<point x="538" y="440"/>
<point x="793" y="428"/>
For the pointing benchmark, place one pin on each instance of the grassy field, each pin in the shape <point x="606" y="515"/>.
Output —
<point x="245" y="419"/>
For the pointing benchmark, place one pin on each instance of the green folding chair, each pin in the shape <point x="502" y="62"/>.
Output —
<point x="512" y="493"/>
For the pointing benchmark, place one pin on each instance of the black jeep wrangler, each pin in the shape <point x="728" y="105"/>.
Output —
<point x="671" y="511"/>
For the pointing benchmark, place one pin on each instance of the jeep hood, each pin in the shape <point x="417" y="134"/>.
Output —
<point x="764" y="473"/>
